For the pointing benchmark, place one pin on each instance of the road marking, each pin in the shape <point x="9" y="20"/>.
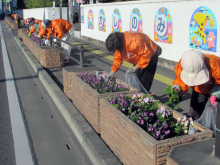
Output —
<point x="158" y="77"/>
<point x="22" y="149"/>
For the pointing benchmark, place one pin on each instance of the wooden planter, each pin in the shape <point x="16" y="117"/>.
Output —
<point x="47" y="56"/>
<point x="14" y="26"/>
<point x="21" y="31"/>
<point x="134" y="146"/>
<point x="8" y="21"/>
<point x="67" y="83"/>
<point x="86" y="99"/>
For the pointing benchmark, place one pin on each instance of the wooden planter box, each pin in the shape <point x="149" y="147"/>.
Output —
<point x="21" y="31"/>
<point x="86" y="99"/>
<point x="67" y="83"/>
<point x="7" y="20"/>
<point x="134" y="146"/>
<point x="14" y="26"/>
<point x="47" y="56"/>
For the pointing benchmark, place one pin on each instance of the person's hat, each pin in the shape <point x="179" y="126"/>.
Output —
<point x="45" y="22"/>
<point x="194" y="70"/>
<point x="31" y="21"/>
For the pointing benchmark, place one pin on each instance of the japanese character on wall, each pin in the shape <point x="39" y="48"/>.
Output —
<point x="163" y="26"/>
<point x="102" y="21"/>
<point x="90" y="19"/>
<point x="203" y="29"/>
<point x="116" y="21"/>
<point x="136" y="23"/>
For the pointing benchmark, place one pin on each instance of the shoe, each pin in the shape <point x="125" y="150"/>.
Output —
<point x="65" y="61"/>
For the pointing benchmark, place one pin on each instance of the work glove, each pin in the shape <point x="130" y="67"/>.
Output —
<point x="29" y="34"/>
<point x="38" y="36"/>
<point x="46" y="42"/>
<point x="110" y="75"/>
<point x="54" y="40"/>
<point x="132" y="70"/>
<point x="213" y="100"/>
<point x="177" y="87"/>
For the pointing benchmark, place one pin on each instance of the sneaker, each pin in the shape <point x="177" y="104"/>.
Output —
<point x="65" y="61"/>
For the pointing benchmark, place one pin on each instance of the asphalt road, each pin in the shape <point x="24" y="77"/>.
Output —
<point x="50" y="139"/>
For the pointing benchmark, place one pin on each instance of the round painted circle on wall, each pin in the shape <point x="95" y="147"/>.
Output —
<point x="116" y="21"/>
<point x="136" y="23"/>
<point x="203" y="29"/>
<point x="102" y="21"/>
<point x="90" y="19"/>
<point x="163" y="26"/>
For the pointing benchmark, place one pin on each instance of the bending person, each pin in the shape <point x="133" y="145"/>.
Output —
<point x="35" y="25"/>
<point x="63" y="30"/>
<point x="137" y="49"/>
<point x="201" y="73"/>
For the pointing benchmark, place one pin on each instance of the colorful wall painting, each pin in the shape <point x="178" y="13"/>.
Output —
<point x="116" y="21"/>
<point x="203" y="29"/>
<point x="163" y="26"/>
<point x="90" y="19"/>
<point x="136" y="23"/>
<point x="102" y="21"/>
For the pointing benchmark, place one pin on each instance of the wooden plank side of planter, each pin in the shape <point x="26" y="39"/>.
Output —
<point x="24" y="39"/>
<point x="86" y="99"/>
<point x="21" y="31"/>
<point x="51" y="58"/>
<point x="14" y="25"/>
<point x="113" y="124"/>
<point x="67" y="83"/>
<point x="131" y="144"/>
<point x="36" y="51"/>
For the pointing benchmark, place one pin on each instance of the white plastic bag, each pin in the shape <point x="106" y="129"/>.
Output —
<point x="208" y="117"/>
<point x="132" y="79"/>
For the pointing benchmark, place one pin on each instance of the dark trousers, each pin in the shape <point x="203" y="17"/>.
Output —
<point x="146" y="75"/>
<point x="197" y="104"/>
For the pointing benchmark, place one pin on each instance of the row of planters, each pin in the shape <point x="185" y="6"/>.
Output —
<point x="48" y="57"/>
<point x="11" y="23"/>
<point x="137" y="128"/>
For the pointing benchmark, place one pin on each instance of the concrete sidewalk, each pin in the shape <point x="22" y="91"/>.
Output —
<point x="96" y="149"/>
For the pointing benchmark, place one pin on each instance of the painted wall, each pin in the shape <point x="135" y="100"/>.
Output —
<point x="181" y="12"/>
<point x="37" y="13"/>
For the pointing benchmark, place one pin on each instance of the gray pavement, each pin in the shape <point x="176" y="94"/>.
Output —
<point x="89" y="140"/>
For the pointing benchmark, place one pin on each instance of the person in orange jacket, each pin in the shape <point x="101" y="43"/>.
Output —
<point x="62" y="29"/>
<point x="201" y="72"/>
<point x="137" y="49"/>
<point x="35" y="25"/>
<point x="17" y="18"/>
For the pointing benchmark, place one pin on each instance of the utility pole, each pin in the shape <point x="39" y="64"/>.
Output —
<point x="60" y="9"/>
<point x="5" y="9"/>
<point x="70" y="3"/>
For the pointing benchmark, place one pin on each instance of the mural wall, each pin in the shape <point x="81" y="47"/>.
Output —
<point x="203" y="29"/>
<point x="116" y="21"/>
<point x="163" y="26"/>
<point x="90" y="20"/>
<point x="136" y="23"/>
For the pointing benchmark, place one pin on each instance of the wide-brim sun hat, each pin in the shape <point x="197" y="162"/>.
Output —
<point x="45" y="22"/>
<point x="31" y="21"/>
<point x="194" y="70"/>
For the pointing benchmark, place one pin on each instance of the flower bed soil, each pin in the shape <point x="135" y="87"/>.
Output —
<point x="86" y="99"/>
<point x="47" y="56"/>
<point x="133" y="145"/>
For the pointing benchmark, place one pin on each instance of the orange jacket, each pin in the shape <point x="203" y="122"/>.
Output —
<point x="138" y="50"/>
<point x="45" y="32"/>
<point x="60" y="27"/>
<point x="16" y="16"/>
<point x="32" y="27"/>
<point x="213" y="64"/>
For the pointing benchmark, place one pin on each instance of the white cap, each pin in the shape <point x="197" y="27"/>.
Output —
<point x="194" y="70"/>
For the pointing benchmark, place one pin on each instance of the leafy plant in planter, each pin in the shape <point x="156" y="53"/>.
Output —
<point x="144" y="111"/>
<point x="101" y="83"/>
<point x="173" y="95"/>
<point x="40" y="42"/>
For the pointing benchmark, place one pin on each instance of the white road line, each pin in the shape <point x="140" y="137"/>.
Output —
<point x="21" y="144"/>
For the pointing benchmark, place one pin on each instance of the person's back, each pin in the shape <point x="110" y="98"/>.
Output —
<point x="61" y="27"/>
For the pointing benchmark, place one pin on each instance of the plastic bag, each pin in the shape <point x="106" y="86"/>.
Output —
<point x="208" y="117"/>
<point x="132" y="79"/>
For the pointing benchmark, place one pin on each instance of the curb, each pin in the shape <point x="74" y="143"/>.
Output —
<point x="93" y="145"/>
